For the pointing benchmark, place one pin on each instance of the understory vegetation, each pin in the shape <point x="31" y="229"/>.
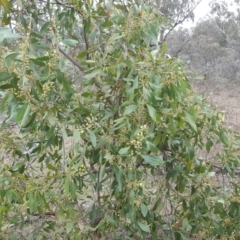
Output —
<point x="102" y="135"/>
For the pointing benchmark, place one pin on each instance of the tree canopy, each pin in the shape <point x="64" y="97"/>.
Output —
<point x="102" y="135"/>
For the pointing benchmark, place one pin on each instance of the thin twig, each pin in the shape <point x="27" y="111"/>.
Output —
<point x="178" y="22"/>
<point x="64" y="156"/>
<point x="71" y="60"/>
<point x="98" y="192"/>
<point x="165" y="209"/>
<point x="86" y="42"/>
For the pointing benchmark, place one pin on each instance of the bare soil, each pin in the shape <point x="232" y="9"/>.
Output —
<point x="223" y="96"/>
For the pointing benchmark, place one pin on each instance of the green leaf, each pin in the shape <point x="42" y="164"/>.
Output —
<point x="44" y="28"/>
<point x="66" y="84"/>
<point x="4" y="102"/>
<point x="130" y="109"/>
<point x="165" y="110"/>
<point x="36" y="35"/>
<point x="146" y="93"/>
<point x="6" y="33"/>
<point x="66" y="185"/>
<point x="114" y="37"/>
<point x="7" y="86"/>
<point x="92" y="74"/>
<point x="5" y="3"/>
<point x="50" y="132"/>
<point x="25" y="115"/>
<point x="51" y="118"/>
<point x="108" y="115"/>
<point x="163" y="48"/>
<point x="31" y="120"/>
<point x="32" y="203"/>
<point x="92" y="36"/>
<point x="209" y="144"/>
<point x="185" y="225"/>
<point x="82" y="54"/>
<point x="102" y="172"/>
<point x="51" y="167"/>
<point x="59" y="76"/>
<point x="87" y="25"/>
<point x="111" y="220"/>
<point x="64" y="133"/>
<point x="223" y="138"/>
<point x="191" y="121"/>
<point x="20" y="113"/>
<point x="144" y="210"/>
<point x="119" y="177"/>
<point x="154" y="53"/>
<point x="123" y="151"/>
<point x="20" y="166"/>
<point x="151" y="147"/>
<point x="10" y="58"/>
<point x="143" y="227"/>
<point x="69" y="227"/>
<point x="41" y="46"/>
<point x="135" y="83"/>
<point x="39" y="63"/>
<point x="5" y="76"/>
<point x="76" y="135"/>
<point x="6" y="18"/>
<point x="70" y="42"/>
<point x="117" y="18"/>
<point x="152" y="112"/>
<point x="157" y="139"/>
<point x="183" y="237"/>
<point x="181" y="184"/>
<point x="92" y="137"/>
<point x="153" y="160"/>
<point x="211" y="174"/>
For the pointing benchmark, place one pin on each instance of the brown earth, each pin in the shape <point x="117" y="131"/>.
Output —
<point x="223" y="96"/>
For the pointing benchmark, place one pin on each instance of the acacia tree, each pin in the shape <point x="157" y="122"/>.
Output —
<point x="106" y="142"/>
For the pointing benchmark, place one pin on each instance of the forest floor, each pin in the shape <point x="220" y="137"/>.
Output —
<point x="224" y="97"/>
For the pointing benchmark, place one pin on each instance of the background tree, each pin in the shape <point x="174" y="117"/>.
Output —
<point x="178" y="43"/>
<point x="212" y="45"/>
<point x="176" y="12"/>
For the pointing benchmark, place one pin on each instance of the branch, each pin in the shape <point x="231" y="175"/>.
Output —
<point x="45" y="214"/>
<point x="86" y="41"/>
<point x="67" y="6"/>
<point x="71" y="60"/>
<point x="107" y="170"/>
<point x="179" y="22"/>
<point x="176" y="54"/>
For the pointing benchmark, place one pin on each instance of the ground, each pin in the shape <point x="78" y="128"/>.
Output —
<point x="223" y="96"/>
